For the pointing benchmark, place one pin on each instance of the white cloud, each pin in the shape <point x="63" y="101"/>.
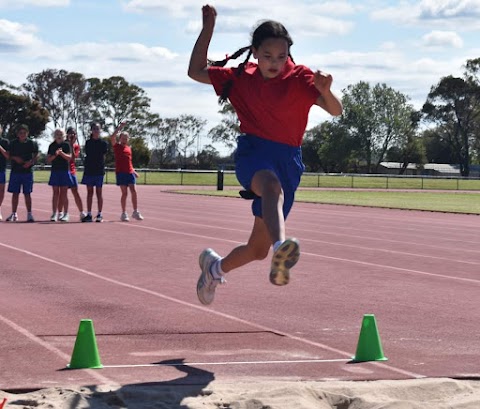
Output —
<point x="464" y="14"/>
<point x="14" y="4"/>
<point x="239" y="17"/>
<point x="442" y="39"/>
<point x="15" y="36"/>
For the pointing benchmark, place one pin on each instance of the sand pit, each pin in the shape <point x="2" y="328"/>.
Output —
<point x="261" y="394"/>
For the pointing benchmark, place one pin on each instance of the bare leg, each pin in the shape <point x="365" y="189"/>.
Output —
<point x="55" y="199"/>
<point x="89" y="198"/>
<point x="256" y="249"/>
<point x="15" y="202"/>
<point x="123" y="198"/>
<point x="78" y="199"/>
<point x="2" y="193"/>
<point x="98" y="191"/>
<point x="61" y="198"/>
<point x="65" y="204"/>
<point x="28" y="202"/>
<point x="266" y="185"/>
<point x="133" y="193"/>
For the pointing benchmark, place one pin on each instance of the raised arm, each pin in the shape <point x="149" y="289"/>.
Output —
<point x="113" y="136"/>
<point x="327" y="99"/>
<point x="197" y="68"/>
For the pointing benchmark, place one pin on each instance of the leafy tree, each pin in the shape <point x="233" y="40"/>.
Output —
<point x="228" y="129"/>
<point x="20" y="109"/>
<point x="64" y="94"/>
<point x="140" y="152"/>
<point x="328" y="147"/>
<point x="437" y="148"/>
<point x="376" y="117"/>
<point x="453" y="105"/>
<point x="208" y="158"/>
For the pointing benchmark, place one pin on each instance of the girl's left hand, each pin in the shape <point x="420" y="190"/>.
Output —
<point x="136" y="175"/>
<point x="322" y="81"/>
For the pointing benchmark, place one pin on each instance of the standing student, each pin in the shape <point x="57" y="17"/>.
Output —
<point x="59" y="155"/>
<point x="75" y="149"/>
<point x="94" y="170"/>
<point x="125" y="173"/>
<point x="23" y="155"/>
<point x="4" y="156"/>
<point x="272" y="99"/>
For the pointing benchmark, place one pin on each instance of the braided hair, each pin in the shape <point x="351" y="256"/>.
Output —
<point x="267" y="29"/>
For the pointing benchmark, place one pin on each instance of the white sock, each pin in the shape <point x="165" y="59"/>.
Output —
<point x="216" y="269"/>
<point x="276" y="245"/>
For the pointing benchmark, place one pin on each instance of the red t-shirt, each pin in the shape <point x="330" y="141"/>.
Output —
<point x="275" y="109"/>
<point x="123" y="158"/>
<point x="75" y="154"/>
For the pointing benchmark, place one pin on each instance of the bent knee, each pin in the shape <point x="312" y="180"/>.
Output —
<point x="267" y="182"/>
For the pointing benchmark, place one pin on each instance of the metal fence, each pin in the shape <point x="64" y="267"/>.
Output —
<point x="187" y="177"/>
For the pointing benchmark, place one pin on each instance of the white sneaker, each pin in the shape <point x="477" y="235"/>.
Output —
<point x="124" y="217"/>
<point x="12" y="218"/>
<point x="65" y="218"/>
<point x="30" y="218"/>
<point x="286" y="256"/>
<point x="1" y="218"/>
<point x="53" y="217"/>
<point x="82" y="216"/>
<point x="206" y="282"/>
<point x="137" y="215"/>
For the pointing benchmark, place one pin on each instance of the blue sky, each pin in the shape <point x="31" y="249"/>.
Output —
<point x="409" y="45"/>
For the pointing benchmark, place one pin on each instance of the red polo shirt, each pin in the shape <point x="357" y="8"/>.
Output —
<point x="123" y="158"/>
<point x="275" y="109"/>
<point x="75" y="155"/>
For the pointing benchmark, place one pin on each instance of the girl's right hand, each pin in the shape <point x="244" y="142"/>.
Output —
<point x="209" y="15"/>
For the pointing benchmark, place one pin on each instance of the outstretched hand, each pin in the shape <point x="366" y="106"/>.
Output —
<point x="322" y="81"/>
<point x="209" y="15"/>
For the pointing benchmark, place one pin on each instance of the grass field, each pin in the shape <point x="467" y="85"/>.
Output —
<point x="308" y="180"/>
<point x="432" y="201"/>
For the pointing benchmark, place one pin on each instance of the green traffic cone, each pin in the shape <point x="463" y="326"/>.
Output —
<point x="369" y="347"/>
<point x="85" y="352"/>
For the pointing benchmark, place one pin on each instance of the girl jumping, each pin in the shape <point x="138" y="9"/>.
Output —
<point x="272" y="99"/>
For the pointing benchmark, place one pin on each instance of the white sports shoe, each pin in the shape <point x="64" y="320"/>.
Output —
<point x="137" y="215"/>
<point x="65" y="218"/>
<point x="12" y="218"/>
<point x="1" y="218"/>
<point x="53" y="217"/>
<point x="124" y="217"/>
<point x="30" y="218"/>
<point x="286" y="256"/>
<point x="206" y="282"/>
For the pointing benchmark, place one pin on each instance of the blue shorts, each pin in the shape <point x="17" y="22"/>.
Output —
<point x="96" y="180"/>
<point x="21" y="182"/>
<point x="3" y="178"/>
<point x="74" y="181"/>
<point x="60" y="178"/>
<point x="125" y="179"/>
<point x="254" y="154"/>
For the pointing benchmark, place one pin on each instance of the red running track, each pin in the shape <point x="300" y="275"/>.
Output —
<point x="418" y="272"/>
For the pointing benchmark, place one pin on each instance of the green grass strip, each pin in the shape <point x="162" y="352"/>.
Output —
<point x="450" y="202"/>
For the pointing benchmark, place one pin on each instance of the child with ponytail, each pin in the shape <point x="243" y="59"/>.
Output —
<point x="272" y="99"/>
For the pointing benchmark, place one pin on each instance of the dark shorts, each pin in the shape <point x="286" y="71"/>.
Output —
<point x="3" y="178"/>
<point x="96" y="180"/>
<point x="74" y="181"/>
<point x="254" y="154"/>
<point x="20" y="182"/>
<point x="125" y="179"/>
<point x="60" y="178"/>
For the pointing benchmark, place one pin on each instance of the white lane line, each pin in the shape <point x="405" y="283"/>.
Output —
<point x="299" y="361"/>
<point x="207" y="310"/>
<point x="364" y="263"/>
<point x="33" y="338"/>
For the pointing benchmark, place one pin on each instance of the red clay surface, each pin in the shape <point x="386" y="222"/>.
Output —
<point x="418" y="272"/>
